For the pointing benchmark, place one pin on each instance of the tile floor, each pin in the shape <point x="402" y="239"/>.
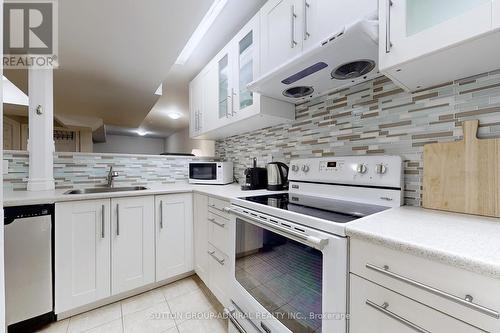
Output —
<point x="185" y="306"/>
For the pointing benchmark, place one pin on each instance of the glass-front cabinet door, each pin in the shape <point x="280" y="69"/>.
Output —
<point x="223" y="85"/>
<point x="412" y="28"/>
<point x="246" y="69"/>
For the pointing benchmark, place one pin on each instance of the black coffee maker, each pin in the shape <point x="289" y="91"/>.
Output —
<point x="255" y="178"/>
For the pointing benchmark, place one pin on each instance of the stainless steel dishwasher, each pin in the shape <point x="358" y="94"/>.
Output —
<point x="28" y="267"/>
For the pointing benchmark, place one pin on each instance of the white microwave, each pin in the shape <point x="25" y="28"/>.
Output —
<point x="217" y="173"/>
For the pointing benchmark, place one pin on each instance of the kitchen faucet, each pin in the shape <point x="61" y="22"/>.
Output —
<point x="111" y="176"/>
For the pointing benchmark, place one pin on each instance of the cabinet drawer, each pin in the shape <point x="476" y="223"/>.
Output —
<point x="217" y="206"/>
<point x="379" y="310"/>
<point x="218" y="232"/>
<point x="445" y="288"/>
<point x="220" y="271"/>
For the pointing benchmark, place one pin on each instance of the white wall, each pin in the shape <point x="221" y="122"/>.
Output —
<point x="123" y="144"/>
<point x="180" y="142"/>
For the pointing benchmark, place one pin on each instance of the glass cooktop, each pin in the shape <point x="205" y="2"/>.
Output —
<point x="328" y="209"/>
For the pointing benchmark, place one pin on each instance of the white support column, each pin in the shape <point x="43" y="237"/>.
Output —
<point x="41" y="130"/>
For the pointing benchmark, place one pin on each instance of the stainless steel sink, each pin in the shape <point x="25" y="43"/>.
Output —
<point x="106" y="190"/>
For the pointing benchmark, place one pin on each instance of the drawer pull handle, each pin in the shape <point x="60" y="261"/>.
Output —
<point x="222" y="225"/>
<point x="230" y="315"/>
<point x="220" y="261"/>
<point x="467" y="302"/>
<point x="383" y="308"/>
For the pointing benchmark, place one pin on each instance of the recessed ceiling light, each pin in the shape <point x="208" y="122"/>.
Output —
<point x="174" y="115"/>
<point x="200" y="31"/>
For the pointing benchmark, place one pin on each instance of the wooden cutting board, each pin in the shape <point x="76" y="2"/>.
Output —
<point x="463" y="176"/>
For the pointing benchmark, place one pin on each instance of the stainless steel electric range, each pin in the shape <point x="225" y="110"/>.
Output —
<point x="291" y="250"/>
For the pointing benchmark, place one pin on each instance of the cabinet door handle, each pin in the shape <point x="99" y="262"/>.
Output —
<point x="233" y="94"/>
<point x="220" y="261"/>
<point x="396" y="317"/>
<point x="199" y="120"/>
<point x="118" y="219"/>
<point x="102" y="222"/>
<point x="161" y="214"/>
<point x="293" y="16"/>
<point x="214" y="221"/>
<point x="388" y="43"/>
<point x="306" y="32"/>
<point x="467" y="301"/>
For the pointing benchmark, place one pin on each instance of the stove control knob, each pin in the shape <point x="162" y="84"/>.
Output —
<point x="381" y="169"/>
<point x="295" y="168"/>
<point x="305" y="168"/>
<point x="361" y="169"/>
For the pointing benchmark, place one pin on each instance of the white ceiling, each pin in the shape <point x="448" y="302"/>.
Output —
<point x="115" y="53"/>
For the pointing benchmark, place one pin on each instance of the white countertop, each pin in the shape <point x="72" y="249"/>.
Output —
<point x="464" y="241"/>
<point x="227" y="192"/>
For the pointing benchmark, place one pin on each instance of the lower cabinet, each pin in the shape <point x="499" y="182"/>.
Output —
<point x="219" y="267"/>
<point x="132" y="243"/>
<point x="200" y="217"/>
<point x="110" y="246"/>
<point x="213" y="245"/>
<point x="380" y="310"/>
<point x="83" y="253"/>
<point x="395" y="291"/>
<point x="174" y="235"/>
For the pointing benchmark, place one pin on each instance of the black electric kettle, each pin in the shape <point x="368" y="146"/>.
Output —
<point x="277" y="176"/>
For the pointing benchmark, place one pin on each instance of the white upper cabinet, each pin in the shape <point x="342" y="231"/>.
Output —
<point x="246" y="62"/>
<point x="281" y="32"/>
<point x="174" y="235"/>
<point x="318" y="23"/>
<point x="200" y="217"/>
<point x="426" y="42"/>
<point x="291" y="27"/>
<point x="227" y="107"/>
<point x="224" y="82"/>
<point x="418" y="27"/>
<point x="132" y="243"/>
<point x="195" y="104"/>
<point x="82" y="253"/>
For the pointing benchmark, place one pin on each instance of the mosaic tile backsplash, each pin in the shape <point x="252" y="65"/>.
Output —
<point x="79" y="170"/>
<point x="376" y="117"/>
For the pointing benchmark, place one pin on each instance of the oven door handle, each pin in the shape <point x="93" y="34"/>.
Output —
<point x="318" y="243"/>
<point x="230" y="316"/>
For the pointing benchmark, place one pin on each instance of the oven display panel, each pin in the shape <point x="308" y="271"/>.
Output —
<point x="330" y="165"/>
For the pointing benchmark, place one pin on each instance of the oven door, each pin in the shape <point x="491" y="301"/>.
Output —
<point x="287" y="277"/>
<point x="203" y="173"/>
